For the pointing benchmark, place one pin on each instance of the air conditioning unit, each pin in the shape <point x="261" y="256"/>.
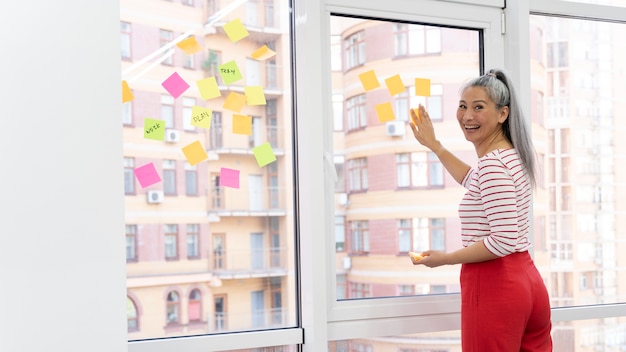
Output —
<point x="172" y="136"/>
<point x="154" y="197"/>
<point x="395" y="128"/>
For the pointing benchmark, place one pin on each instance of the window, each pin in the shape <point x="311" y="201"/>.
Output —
<point x="129" y="176"/>
<point x="195" y="306"/>
<point x="165" y="37"/>
<point x="216" y="192"/>
<point x="125" y="40"/>
<point x="211" y="64"/>
<point x="272" y="123"/>
<point x="173" y="308"/>
<point x="193" y="241"/>
<point x="215" y="141"/>
<point x="340" y="233"/>
<point x="171" y="242"/>
<point x="419" y="170"/>
<point x="357" y="173"/>
<point x="219" y="251"/>
<point x="127" y="113"/>
<point x="167" y="110"/>
<point x="221" y="316"/>
<point x="188" y="104"/>
<point x="131" y="243"/>
<point x="191" y="179"/>
<point x="354" y="47"/>
<point x="169" y="177"/>
<point x="131" y="315"/>
<point x="359" y="237"/>
<point x="356" y="112"/>
<point x="411" y="39"/>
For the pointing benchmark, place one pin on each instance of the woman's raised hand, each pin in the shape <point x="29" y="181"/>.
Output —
<point x="422" y="127"/>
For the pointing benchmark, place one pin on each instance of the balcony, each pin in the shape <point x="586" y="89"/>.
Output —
<point x="244" y="264"/>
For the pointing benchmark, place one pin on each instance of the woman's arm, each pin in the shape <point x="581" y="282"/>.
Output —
<point x="424" y="132"/>
<point x="470" y="254"/>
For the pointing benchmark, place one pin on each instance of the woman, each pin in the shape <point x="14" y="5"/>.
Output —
<point x="504" y="302"/>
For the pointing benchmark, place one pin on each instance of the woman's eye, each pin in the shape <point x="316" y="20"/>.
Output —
<point x="462" y="106"/>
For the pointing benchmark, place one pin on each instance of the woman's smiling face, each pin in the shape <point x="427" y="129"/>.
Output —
<point x="480" y="118"/>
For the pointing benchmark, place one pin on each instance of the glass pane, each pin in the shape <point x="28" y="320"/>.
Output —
<point x="214" y="216"/>
<point x="443" y="341"/>
<point x="577" y="101"/>
<point x="397" y="199"/>
<point x="620" y="3"/>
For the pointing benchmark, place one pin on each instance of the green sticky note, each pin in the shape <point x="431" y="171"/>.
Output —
<point x="201" y="117"/>
<point x="385" y="112"/>
<point x="255" y="95"/>
<point x="264" y="154"/>
<point x="208" y="88"/>
<point x="230" y="72"/>
<point x="154" y="129"/>
<point x="195" y="153"/>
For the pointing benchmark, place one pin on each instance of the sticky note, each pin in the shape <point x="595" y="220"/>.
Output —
<point x="415" y="115"/>
<point x="235" y="30"/>
<point x="201" y="117"/>
<point x="189" y="45"/>
<point x="422" y="87"/>
<point x="242" y="124"/>
<point x="264" y="154"/>
<point x="147" y="175"/>
<point x="395" y="85"/>
<point x="195" y="153"/>
<point x="369" y="80"/>
<point x="385" y="112"/>
<point x="254" y="95"/>
<point x="229" y="177"/>
<point x="154" y="129"/>
<point x="175" y="85"/>
<point x="127" y="94"/>
<point x="235" y="101"/>
<point x="230" y="72"/>
<point x="208" y="88"/>
<point x="262" y="53"/>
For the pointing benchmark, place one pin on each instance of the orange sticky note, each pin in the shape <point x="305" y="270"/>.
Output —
<point x="189" y="45"/>
<point x="195" y="153"/>
<point x="201" y="117"/>
<point x="385" y="112"/>
<point x="263" y="53"/>
<point x="235" y="30"/>
<point x="127" y="94"/>
<point x="264" y="154"/>
<point x="235" y="101"/>
<point x="208" y="88"/>
<point x="369" y="80"/>
<point x="254" y="95"/>
<point x="422" y="87"/>
<point x="415" y="115"/>
<point x="395" y="85"/>
<point x="242" y="124"/>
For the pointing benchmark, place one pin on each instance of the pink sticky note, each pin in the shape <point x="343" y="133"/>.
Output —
<point x="229" y="177"/>
<point x="147" y="175"/>
<point x="175" y="85"/>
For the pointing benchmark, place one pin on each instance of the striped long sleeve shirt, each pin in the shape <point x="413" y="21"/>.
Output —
<point x="496" y="206"/>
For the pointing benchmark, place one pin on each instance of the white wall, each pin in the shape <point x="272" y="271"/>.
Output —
<point x="62" y="266"/>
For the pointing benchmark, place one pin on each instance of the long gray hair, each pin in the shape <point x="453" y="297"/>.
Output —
<point x="516" y="128"/>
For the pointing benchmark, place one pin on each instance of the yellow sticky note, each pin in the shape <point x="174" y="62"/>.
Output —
<point x="201" y="117"/>
<point x="195" y="153"/>
<point x="127" y="94"/>
<point x="422" y="87"/>
<point x="369" y="80"/>
<point x="395" y="85"/>
<point x="235" y="30"/>
<point x="255" y="95"/>
<point x="208" y="88"/>
<point x="235" y="101"/>
<point x="242" y="124"/>
<point x="385" y="112"/>
<point x="263" y="53"/>
<point x="189" y="45"/>
<point x="264" y="154"/>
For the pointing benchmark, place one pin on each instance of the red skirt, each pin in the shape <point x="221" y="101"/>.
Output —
<point x="504" y="306"/>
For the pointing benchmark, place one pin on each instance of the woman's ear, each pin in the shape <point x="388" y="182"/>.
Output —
<point x="504" y="114"/>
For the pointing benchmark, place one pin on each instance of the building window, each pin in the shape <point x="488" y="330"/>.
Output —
<point x="215" y="141"/>
<point x="167" y="110"/>
<point x="171" y="239"/>
<point x="169" y="177"/>
<point x="354" y="47"/>
<point x="428" y="234"/>
<point x="356" y="112"/>
<point x="166" y="37"/>
<point x="127" y="113"/>
<point x="129" y="176"/>
<point x="188" y="104"/>
<point x="357" y="175"/>
<point x="211" y="65"/>
<point x="131" y="315"/>
<point x="419" y="169"/>
<point x="273" y="187"/>
<point x="193" y="241"/>
<point x="272" y="122"/>
<point x="194" y="310"/>
<point x="340" y="233"/>
<point x="359" y="290"/>
<point x="173" y="308"/>
<point x="187" y="2"/>
<point x="131" y="243"/>
<point x="191" y="179"/>
<point x="216" y="192"/>
<point x="359" y="237"/>
<point x="412" y="39"/>
<point x="219" y="251"/>
<point x="275" y="248"/>
<point x="125" y="40"/>
<point x="269" y="13"/>
<point x="405" y="238"/>
<point x="219" y="307"/>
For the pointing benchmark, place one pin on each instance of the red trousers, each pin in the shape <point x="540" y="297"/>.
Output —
<point x="504" y="306"/>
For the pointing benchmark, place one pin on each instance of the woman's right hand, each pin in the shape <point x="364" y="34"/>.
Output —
<point x="422" y="128"/>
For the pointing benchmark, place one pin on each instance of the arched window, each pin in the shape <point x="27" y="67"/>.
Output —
<point x="173" y="308"/>
<point x="195" y="306"/>
<point x="131" y="315"/>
